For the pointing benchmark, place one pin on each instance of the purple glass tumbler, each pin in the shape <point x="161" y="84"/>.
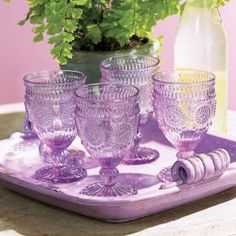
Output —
<point x="107" y="117"/>
<point x="50" y="104"/>
<point x="184" y="104"/>
<point x="137" y="71"/>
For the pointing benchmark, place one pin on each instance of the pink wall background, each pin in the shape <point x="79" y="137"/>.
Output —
<point x="19" y="55"/>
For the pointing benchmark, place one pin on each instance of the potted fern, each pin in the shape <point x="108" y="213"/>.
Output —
<point x="84" y="32"/>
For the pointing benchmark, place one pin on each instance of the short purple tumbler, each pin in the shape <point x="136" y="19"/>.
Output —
<point x="107" y="117"/>
<point x="50" y="104"/>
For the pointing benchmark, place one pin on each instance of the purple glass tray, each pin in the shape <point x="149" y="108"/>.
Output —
<point x="19" y="159"/>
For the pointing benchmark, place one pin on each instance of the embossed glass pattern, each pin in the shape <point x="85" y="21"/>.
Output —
<point x="50" y="104"/>
<point x="184" y="104"/>
<point x="107" y="118"/>
<point x="136" y="71"/>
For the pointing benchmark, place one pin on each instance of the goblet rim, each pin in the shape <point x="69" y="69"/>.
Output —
<point x="136" y="93"/>
<point x="157" y="62"/>
<point x="32" y="81"/>
<point x="158" y="77"/>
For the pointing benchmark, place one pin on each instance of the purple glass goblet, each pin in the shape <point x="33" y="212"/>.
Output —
<point x="184" y="104"/>
<point x="137" y="71"/>
<point x="107" y="117"/>
<point x="51" y="104"/>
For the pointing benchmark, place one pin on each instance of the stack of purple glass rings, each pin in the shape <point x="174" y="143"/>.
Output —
<point x="109" y="118"/>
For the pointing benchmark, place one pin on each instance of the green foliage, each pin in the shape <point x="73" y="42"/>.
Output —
<point x="91" y="24"/>
<point x="221" y="3"/>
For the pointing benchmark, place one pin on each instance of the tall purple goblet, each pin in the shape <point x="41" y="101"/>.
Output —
<point x="50" y="101"/>
<point x="107" y="117"/>
<point x="137" y="71"/>
<point x="184" y="105"/>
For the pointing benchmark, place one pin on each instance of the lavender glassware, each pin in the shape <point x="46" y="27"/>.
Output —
<point x="50" y="103"/>
<point x="184" y="105"/>
<point x="107" y="117"/>
<point x="137" y="71"/>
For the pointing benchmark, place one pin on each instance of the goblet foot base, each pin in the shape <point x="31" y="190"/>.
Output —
<point x="116" y="190"/>
<point x="142" y="155"/>
<point x="62" y="174"/>
<point x="165" y="175"/>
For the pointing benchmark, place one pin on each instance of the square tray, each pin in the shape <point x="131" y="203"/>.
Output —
<point x="19" y="159"/>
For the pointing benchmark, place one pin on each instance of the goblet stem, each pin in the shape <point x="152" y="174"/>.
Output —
<point x="108" y="176"/>
<point x="59" y="158"/>
<point x="109" y="187"/>
<point x="184" y="155"/>
<point x="60" y="171"/>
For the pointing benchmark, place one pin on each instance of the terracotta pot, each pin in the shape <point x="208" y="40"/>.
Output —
<point x="88" y="61"/>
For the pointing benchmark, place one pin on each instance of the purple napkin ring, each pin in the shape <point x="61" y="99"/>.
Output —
<point x="201" y="167"/>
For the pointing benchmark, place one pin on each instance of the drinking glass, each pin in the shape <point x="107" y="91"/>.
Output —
<point x="184" y="104"/>
<point x="107" y="117"/>
<point x="50" y="103"/>
<point x="137" y="71"/>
